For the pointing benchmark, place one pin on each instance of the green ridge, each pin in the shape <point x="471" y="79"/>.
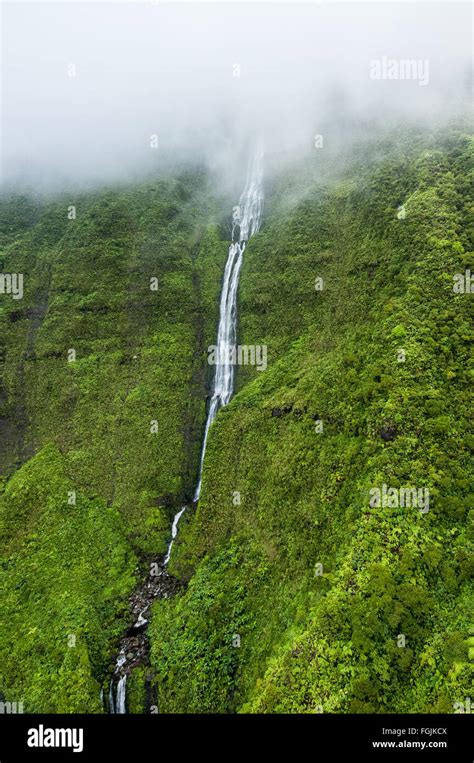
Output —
<point x="279" y="497"/>
<point x="329" y="643"/>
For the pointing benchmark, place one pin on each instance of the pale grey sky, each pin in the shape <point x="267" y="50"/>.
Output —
<point x="85" y="85"/>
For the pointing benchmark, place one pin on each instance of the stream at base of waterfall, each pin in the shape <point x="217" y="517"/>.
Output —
<point x="134" y="646"/>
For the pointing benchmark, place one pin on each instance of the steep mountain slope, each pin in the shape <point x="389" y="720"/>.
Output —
<point x="302" y="596"/>
<point x="99" y="449"/>
<point x="296" y="590"/>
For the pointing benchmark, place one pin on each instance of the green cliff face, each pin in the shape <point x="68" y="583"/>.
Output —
<point x="338" y="606"/>
<point x="302" y="595"/>
<point x="97" y="451"/>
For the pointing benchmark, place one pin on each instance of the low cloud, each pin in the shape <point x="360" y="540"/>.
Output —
<point x="100" y="92"/>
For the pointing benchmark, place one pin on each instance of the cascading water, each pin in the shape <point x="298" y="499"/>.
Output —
<point x="121" y="694"/>
<point x="174" y="532"/>
<point x="246" y="219"/>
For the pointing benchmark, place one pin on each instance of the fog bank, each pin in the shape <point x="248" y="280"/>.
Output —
<point x="99" y="92"/>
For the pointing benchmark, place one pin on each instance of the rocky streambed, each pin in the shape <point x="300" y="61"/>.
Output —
<point x="134" y="647"/>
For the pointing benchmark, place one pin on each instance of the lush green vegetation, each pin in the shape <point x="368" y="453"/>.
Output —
<point x="330" y="642"/>
<point x="379" y="356"/>
<point x="81" y="431"/>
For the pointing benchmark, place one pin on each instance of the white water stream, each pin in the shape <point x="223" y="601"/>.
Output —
<point x="174" y="532"/>
<point x="246" y="221"/>
<point x="247" y="218"/>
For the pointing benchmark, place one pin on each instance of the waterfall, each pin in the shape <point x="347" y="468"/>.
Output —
<point x="117" y="703"/>
<point x="111" y="698"/>
<point x="174" y="532"/>
<point x="246" y="219"/>
<point x="121" y="695"/>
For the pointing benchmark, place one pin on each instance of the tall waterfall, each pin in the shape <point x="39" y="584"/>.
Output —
<point x="247" y="216"/>
<point x="246" y="221"/>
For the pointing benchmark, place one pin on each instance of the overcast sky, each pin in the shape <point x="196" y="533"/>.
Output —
<point x="86" y="85"/>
